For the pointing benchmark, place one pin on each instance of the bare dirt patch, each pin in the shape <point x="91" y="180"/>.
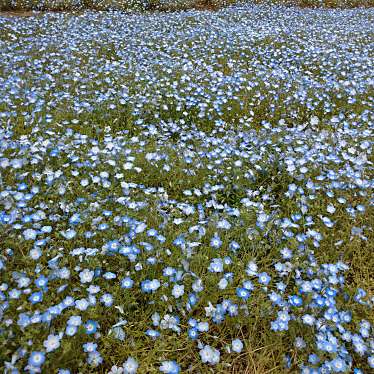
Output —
<point x="18" y="13"/>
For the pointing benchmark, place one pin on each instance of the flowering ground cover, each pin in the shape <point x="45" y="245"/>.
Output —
<point x="187" y="192"/>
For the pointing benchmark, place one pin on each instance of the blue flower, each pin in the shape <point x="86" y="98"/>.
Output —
<point x="146" y="286"/>
<point x="264" y="278"/>
<point x="127" y="283"/>
<point x="91" y="327"/>
<point x="193" y="333"/>
<point x="192" y="299"/>
<point x="113" y="246"/>
<point x="243" y="293"/>
<point x="71" y="330"/>
<point x="233" y="310"/>
<point x="152" y="333"/>
<point x="338" y="365"/>
<point x="107" y="299"/>
<point x="75" y="219"/>
<point x="287" y="361"/>
<point x="36" y="359"/>
<point x="41" y="282"/>
<point x="179" y="241"/>
<point x="36" y="297"/>
<point x="215" y="242"/>
<point x="296" y="300"/>
<point x="371" y="361"/>
<point x="89" y="347"/>
<point x="234" y="246"/>
<point x="247" y="284"/>
<point x="216" y="265"/>
<point x="313" y="359"/>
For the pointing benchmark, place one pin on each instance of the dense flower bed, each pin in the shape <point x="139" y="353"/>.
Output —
<point x="188" y="191"/>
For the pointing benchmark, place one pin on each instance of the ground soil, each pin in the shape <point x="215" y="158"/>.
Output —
<point x="18" y="13"/>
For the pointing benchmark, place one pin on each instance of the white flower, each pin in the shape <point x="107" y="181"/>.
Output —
<point x="251" y="268"/>
<point x="209" y="310"/>
<point x="203" y="326"/>
<point x="86" y="275"/>
<point x="314" y="120"/>
<point x="299" y="343"/>
<point x="81" y="304"/>
<point x="308" y="319"/>
<point x="29" y="234"/>
<point x="35" y="253"/>
<point x="156" y="319"/>
<point x="216" y="266"/>
<point x="116" y="370"/>
<point x="237" y="345"/>
<point x="64" y="273"/>
<point x="222" y="284"/>
<point x="128" y="165"/>
<point x="75" y="321"/>
<point x="209" y="355"/>
<point x="262" y="217"/>
<point x="130" y="366"/>
<point x="178" y="291"/>
<point x="155" y="284"/>
<point x="197" y="286"/>
<point x="52" y="343"/>
<point x="84" y="182"/>
<point x="140" y="227"/>
<point x="169" y="367"/>
<point x="68" y="234"/>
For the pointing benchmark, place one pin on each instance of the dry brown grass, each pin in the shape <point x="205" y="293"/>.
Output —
<point x="18" y="13"/>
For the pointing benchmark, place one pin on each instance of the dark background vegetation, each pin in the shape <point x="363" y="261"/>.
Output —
<point x="162" y="5"/>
